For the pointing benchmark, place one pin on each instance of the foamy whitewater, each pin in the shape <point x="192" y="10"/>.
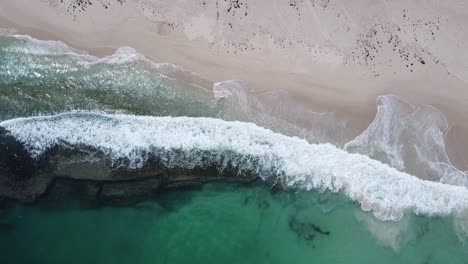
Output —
<point x="200" y="142"/>
<point x="132" y="160"/>
<point x="48" y="77"/>
<point x="410" y="139"/>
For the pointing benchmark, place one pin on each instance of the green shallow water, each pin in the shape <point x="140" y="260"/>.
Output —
<point x="221" y="223"/>
<point x="226" y="223"/>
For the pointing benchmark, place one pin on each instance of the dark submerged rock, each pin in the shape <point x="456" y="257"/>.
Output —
<point x="71" y="193"/>
<point x="128" y="192"/>
<point x="14" y="157"/>
<point x="67" y="177"/>
<point x="304" y="229"/>
<point x="6" y="226"/>
<point x="175" y="199"/>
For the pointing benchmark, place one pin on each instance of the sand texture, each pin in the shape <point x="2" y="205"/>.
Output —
<point x="336" y="55"/>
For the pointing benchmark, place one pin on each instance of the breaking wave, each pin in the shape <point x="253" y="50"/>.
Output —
<point x="48" y="77"/>
<point x="203" y="142"/>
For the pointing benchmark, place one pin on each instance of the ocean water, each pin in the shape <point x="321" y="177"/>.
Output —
<point x="327" y="192"/>
<point x="227" y="224"/>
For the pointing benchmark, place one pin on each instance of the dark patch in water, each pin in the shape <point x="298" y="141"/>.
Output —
<point x="65" y="193"/>
<point x="7" y="227"/>
<point x="304" y="229"/>
<point x="246" y="200"/>
<point x="258" y="198"/>
<point x="14" y="156"/>
<point x="263" y="204"/>
<point x="174" y="200"/>
<point x="5" y="205"/>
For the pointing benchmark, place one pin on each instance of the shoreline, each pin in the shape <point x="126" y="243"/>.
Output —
<point x="326" y="84"/>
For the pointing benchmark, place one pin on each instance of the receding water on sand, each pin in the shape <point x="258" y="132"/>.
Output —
<point x="227" y="223"/>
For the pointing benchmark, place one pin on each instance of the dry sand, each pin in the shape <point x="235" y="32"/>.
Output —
<point x="337" y="55"/>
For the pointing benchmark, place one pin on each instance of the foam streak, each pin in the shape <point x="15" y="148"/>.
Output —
<point x="293" y="162"/>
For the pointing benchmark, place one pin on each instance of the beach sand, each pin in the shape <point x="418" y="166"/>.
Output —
<point x="335" y="56"/>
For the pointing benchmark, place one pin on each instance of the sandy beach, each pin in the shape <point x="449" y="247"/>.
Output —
<point x="335" y="56"/>
<point x="233" y="131"/>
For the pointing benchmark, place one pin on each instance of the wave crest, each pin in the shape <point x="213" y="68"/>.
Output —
<point x="185" y="142"/>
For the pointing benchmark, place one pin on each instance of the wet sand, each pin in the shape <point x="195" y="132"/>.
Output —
<point x="337" y="57"/>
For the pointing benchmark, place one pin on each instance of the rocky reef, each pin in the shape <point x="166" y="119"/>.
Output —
<point x="87" y="178"/>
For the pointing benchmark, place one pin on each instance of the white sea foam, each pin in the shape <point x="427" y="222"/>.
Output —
<point x="278" y="110"/>
<point x="291" y="161"/>
<point x="123" y="55"/>
<point x="44" y="47"/>
<point x="410" y="139"/>
<point x="407" y="138"/>
<point x="393" y="235"/>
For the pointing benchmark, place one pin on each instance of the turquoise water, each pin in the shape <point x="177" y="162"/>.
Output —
<point x="226" y="223"/>
<point x="219" y="223"/>
<point x="44" y="78"/>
